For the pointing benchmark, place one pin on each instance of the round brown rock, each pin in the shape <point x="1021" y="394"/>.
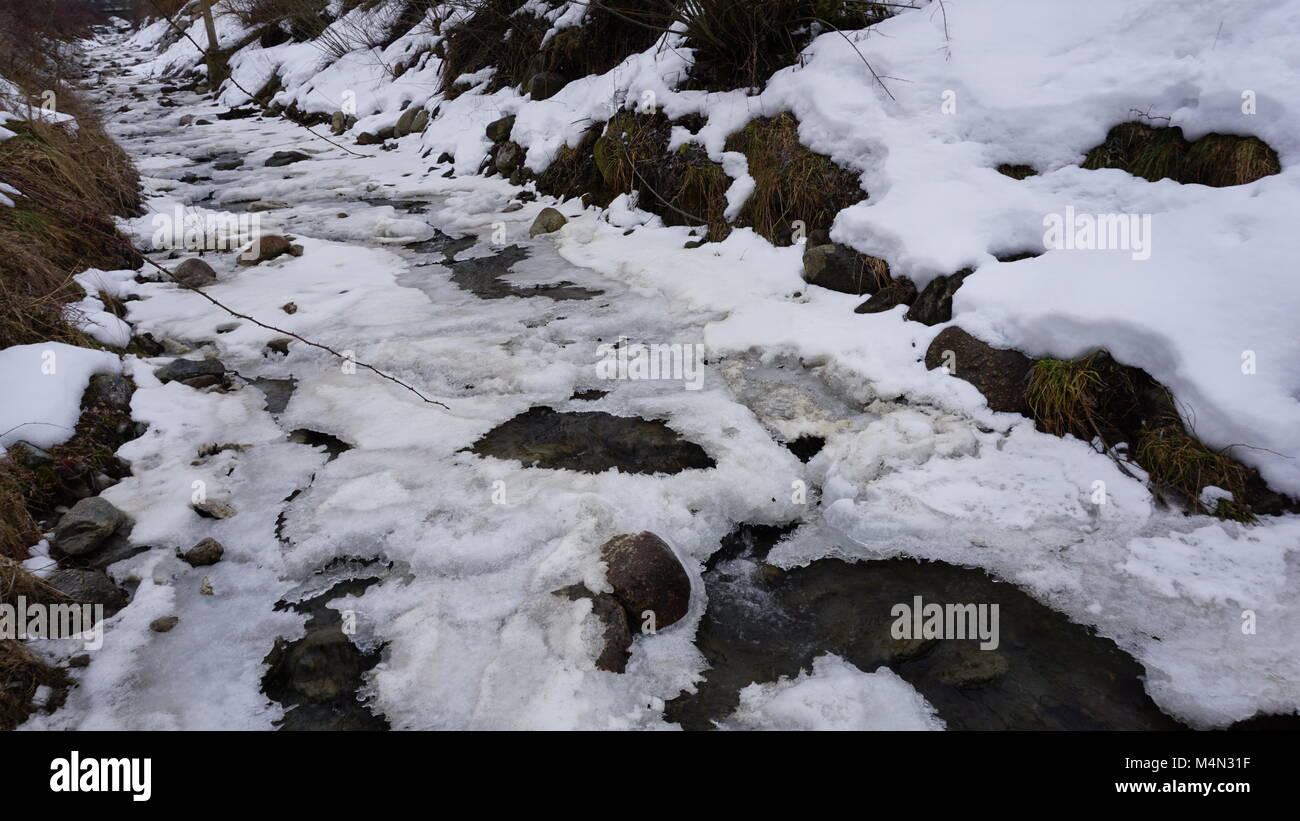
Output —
<point x="646" y="575"/>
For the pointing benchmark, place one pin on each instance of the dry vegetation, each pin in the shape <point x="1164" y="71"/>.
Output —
<point x="72" y="182"/>
<point x="1164" y="153"/>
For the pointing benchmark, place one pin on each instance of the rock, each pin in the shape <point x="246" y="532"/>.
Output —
<point x="617" y="635"/>
<point x="420" y="121"/>
<point x="406" y="122"/>
<point x="279" y="345"/>
<point x="179" y="370"/>
<point x="509" y="155"/>
<point x="264" y="249"/>
<point x="199" y="383"/>
<point x="164" y="624"/>
<point x="546" y="84"/>
<point x="338" y="123"/>
<point x="289" y="308"/>
<point x="934" y="305"/>
<point x="646" y="576"/>
<point x="899" y="292"/>
<point x="111" y="389"/>
<point x="206" y="552"/>
<point x="1001" y="375"/>
<point x="267" y="205"/>
<point x="89" y="587"/>
<point x="282" y="158"/>
<point x="212" y="509"/>
<point x="28" y="455"/>
<point x="194" y="273"/>
<point x="114" y="549"/>
<point x="842" y="269"/>
<point x="499" y="130"/>
<point x="227" y="165"/>
<point x="205" y="589"/>
<point x="445" y="157"/>
<point x="83" y="528"/>
<point x="203" y="122"/>
<point x="186" y="119"/>
<point x="547" y="222"/>
<point x="79" y="661"/>
<point x="972" y="666"/>
<point x="513" y="207"/>
<point x="320" y="667"/>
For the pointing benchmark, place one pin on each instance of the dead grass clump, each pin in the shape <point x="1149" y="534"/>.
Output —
<point x="573" y="172"/>
<point x="740" y="43"/>
<point x="18" y="531"/>
<point x="479" y="41"/>
<point x="791" y="182"/>
<point x="22" y="672"/>
<point x="1175" y="459"/>
<point x="1163" y="153"/>
<point x="61" y="224"/>
<point x="683" y="187"/>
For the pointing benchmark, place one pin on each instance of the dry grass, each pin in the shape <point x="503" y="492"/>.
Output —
<point x="1175" y="459"/>
<point x="18" y="531"/>
<point x="1163" y="153"/>
<point x="791" y="182"/>
<point x="22" y="672"/>
<point x="1065" y="395"/>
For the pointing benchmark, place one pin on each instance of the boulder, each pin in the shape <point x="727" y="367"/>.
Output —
<point x="180" y="370"/>
<point x="842" y="269"/>
<point x="212" y="509"/>
<point x="206" y="552"/>
<point x="547" y="222"/>
<point x="1001" y="375"/>
<point x="111" y="389"/>
<point x="89" y="587"/>
<point x="85" y="527"/>
<point x="934" y="305"/>
<point x="338" y="123"/>
<point x="646" y="576"/>
<point x="899" y="292"/>
<point x="406" y="122"/>
<point x="267" y="248"/>
<point x="499" y="130"/>
<point x="194" y="273"/>
<point x="546" y="84"/>
<point x="282" y="158"/>
<point x="508" y="158"/>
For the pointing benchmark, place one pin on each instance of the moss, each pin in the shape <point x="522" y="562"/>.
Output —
<point x="1164" y="153"/>
<point x="791" y="183"/>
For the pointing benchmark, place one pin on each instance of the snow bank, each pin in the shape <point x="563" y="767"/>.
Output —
<point x="834" y="696"/>
<point x="43" y="387"/>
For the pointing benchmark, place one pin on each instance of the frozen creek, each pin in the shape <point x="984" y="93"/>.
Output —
<point x="443" y="561"/>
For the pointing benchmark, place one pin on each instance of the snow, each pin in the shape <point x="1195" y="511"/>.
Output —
<point x="43" y="387"/>
<point x="834" y="696"/>
<point x="915" y="464"/>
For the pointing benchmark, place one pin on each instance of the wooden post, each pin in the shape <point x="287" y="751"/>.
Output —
<point x="214" y="72"/>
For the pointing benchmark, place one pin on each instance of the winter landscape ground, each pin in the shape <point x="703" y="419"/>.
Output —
<point x="651" y="365"/>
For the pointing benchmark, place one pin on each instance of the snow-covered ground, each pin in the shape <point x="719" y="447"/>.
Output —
<point x="917" y="465"/>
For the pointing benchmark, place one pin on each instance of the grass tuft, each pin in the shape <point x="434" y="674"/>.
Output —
<point x="791" y="182"/>
<point x="1217" y="160"/>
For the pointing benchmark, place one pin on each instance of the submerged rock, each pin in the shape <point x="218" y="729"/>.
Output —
<point x="180" y="370"/>
<point x="592" y="442"/>
<point x="282" y="158"/>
